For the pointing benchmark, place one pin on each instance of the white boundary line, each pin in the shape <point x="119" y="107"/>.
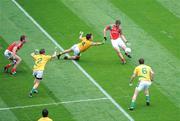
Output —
<point x="83" y="71"/>
<point x="56" y="103"/>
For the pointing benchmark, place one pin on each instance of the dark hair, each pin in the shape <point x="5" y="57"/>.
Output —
<point x="141" y="61"/>
<point x="117" y="22"/>
<point x="42" y="51"/>
<point x="23" y="37"/>
<point x="88" y="36"/>
<point x="45" y="112"/>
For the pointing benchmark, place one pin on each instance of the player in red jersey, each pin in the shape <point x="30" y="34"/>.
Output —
<point x="11" y="54"/>
<point x="118" y="40"/>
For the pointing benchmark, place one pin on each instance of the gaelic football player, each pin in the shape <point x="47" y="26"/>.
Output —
<point x="85" y="43"/>
<point x="45" y="117"/>
<point x="145" y="74"/>
<point x="118" y="40"/>
<point x="11" y="54"/>
<point x="40" y="60"/>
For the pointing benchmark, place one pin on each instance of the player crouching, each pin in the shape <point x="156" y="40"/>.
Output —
<point x="11" y="54"/>
<point x="40" y="60"/>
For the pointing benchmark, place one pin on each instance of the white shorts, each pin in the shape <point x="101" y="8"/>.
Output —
<point x="8" y="54"/>
<point x="143" y="85"/>
<point x="76" y="50"/>
<point x="38" y="74"/>
<point x="118" y="43"/>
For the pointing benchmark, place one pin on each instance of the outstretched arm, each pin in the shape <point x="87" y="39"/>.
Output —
<point x="97" y="43"/>
<point x="80" y="35"/>
<point x="104" y="32"/>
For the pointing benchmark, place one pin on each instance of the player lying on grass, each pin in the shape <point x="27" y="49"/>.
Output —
<point x="85" y="43"/>
<point x="11" y="54"/>
<point x="40" y="60"/>
<point x="145" y="74"/>
<point x="118" y="40"/>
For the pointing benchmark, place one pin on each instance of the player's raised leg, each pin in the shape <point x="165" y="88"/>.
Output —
<point x="120" y="55"/>
<point x="64" y="52"/>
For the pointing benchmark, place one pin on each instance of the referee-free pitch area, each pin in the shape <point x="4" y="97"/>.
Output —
<point x="96" y="87"/>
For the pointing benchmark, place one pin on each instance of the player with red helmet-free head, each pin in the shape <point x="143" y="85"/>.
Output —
<point x="11" y="54"/>
<point x="118" y="40"/>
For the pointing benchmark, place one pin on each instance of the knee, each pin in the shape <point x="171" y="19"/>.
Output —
<point x="19" y="60"/>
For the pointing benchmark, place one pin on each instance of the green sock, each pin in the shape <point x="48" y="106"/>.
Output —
<point x="147" y="98"/>
<point x="132" y="104"/>
<point x="32" y="91"/>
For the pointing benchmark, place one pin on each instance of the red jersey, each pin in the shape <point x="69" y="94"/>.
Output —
<point x="115" y="31"/>
<point x="14" y="44"/>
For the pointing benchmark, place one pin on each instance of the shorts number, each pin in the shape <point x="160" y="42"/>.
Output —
<point x="144" y="70"/>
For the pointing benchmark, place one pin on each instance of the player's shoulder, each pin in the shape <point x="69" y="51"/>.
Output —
<point x="149" y="67"/>
<point x="111" y="25"/>
<point x="47" y="57"/>
<point x="36" y="56"/>
<point x="83" y="39"/>
<point x="146" y="66"/>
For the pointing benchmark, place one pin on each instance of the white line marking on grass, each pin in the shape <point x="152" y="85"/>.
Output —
<point x="83" y="71"/>
<point x="56" y="103"/>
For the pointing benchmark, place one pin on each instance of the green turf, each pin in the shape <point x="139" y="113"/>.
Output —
<point x="63" y="80"/>
<point x="173" y="6"/>
<point x="64" y="19"/>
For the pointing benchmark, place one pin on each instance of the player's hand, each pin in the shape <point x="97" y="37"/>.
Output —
<point x="36" y="51"/>
<point x="81" y="33"/>
<point x="130" y="84"/>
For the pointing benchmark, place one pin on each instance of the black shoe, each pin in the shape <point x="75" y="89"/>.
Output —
<point x="58" y="56"/>
<point x="131" y="108"/>
<point x="35" y="91"/>
<point x="148" y="103"/>
<point x="5" y="69"/>
<point x="129" y="56"/>
<point x="65" y="57"/>
<point x="30" y="94"/>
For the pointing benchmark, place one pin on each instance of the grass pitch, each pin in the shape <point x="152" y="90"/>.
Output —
<point x="152" y="36"/>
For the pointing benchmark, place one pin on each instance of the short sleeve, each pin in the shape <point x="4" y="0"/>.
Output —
<point x="108" y="27"/>
<point x="135" y="71"/>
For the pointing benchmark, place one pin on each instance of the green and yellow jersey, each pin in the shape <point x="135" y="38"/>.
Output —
<point x="143" y="72"/>
<point x="45" y="119"/>
<point x="40" y="61"/>
<point x="84" y="44"/>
